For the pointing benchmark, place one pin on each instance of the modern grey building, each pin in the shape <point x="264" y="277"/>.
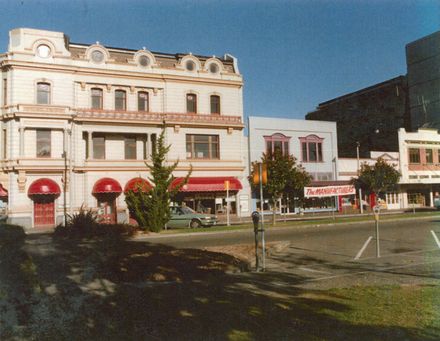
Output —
<point x="372" y="116"/>
<point x="423" y="64"/>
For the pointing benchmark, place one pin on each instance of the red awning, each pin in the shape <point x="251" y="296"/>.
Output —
<point x="44" y="186"/>
<point x="135" y="183"/>
<point x="106" y="185"/>
<point x="3" y="191"/>
<point x="208" y="184"/>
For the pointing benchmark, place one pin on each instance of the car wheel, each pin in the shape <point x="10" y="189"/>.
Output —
<point x="194" y="224"/>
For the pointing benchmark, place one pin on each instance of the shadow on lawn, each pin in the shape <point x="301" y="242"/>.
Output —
<point x="124" y="290"/>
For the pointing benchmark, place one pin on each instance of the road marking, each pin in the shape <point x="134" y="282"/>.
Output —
<point x="361" y="251"/>
<point x="313" y="270"/>
<point x="372" y="271"/>
<point x="436" y="239"/>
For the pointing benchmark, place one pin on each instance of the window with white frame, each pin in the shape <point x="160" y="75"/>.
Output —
<point x="414" y="155"/>
<point x="43" y="143"/>
<point x="143" y="101"/>
<point x="191" y="103"/>
<point x="215" y="104"/>
<point x="120" y="100"/>
<point x="130" y="147"/>
<point x="43" y="93"/>
<point x="97" y="98"/>
<point x="311" y="148"/>
<point x="202" y="146"/>
<point x="277" y="143"/>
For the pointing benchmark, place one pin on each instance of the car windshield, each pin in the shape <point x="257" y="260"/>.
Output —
<point x="187" y="210"/>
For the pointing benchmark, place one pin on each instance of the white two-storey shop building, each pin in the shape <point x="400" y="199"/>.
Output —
<point x="79" y="121"/>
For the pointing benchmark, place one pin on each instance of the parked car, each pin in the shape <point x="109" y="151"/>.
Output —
<point x="186" y="217"/>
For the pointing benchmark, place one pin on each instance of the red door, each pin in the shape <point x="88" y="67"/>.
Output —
<point x="107" y="210"/>
<point x="44" y="214"/>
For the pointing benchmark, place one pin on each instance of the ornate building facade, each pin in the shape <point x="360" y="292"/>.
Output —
<point x="79" y="121"/>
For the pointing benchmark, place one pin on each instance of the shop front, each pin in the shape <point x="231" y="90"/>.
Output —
<point x="209" y="194"/>
<point x="325" y="196"/>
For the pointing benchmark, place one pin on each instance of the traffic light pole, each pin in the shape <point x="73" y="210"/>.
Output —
<point x="263" y="245"/>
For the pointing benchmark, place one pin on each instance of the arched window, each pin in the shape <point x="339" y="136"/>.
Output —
<point x="191" y="103"/>
<point x="43" y="93"/>
<point x="120" y="100"/>
<point x="215" y="104"/>
<point x="143" y="101"/>
<point x="311" y="148"/>
<point x="96" y="98"/>
<point x="277" y="143"/>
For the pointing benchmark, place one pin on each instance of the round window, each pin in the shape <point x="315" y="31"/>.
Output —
<point x="213" y="68"/>
<point x="190" y="65"/>
<point x="97" y="56"/>
<point x="43" y="51"/>
<point x="144" y="60"/>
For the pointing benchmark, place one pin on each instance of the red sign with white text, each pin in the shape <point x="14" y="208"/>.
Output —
<point x="328" y="191"/>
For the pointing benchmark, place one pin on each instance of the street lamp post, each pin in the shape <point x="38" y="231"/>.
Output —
<point x="358" y="144"/>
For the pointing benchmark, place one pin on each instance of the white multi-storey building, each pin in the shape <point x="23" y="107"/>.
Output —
<point x="79" y="122"/>
<point x="420" y="167"/>
<point x="312" y="143"/>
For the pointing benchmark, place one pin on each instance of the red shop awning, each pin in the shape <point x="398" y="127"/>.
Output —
<point x="3" y="191"/>
<point x="44" y="186"/>
<point x="136" y="183"/>
<point x="208" y="184"/>
<point x="106" y="185"/>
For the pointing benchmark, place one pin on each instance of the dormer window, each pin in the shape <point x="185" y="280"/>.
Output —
<point x="190" y="65"/>
<point x="144" y="61"/>
<point x="43" y="51"/>
<point x="277" y="143"/>
<point x="97" y="56"/>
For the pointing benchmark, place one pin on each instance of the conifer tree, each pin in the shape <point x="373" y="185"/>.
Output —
<point x="152" y="209"/>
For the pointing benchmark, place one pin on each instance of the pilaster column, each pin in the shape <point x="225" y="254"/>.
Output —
<point x="89" y="145"/>
<point x="21" y="148"/>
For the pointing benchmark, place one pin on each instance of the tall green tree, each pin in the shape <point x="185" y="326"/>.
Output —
<point x="378" y="178"/>
<point x="283" y="175"/>
<point x="152" y="209"/>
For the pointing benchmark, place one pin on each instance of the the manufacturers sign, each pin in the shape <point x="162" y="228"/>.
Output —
<point x="328" y="191"/>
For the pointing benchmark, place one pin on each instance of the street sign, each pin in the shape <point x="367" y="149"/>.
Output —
<point x="227" y="185"/>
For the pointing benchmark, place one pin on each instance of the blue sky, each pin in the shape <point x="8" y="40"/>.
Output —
<point x="292" y="54"/>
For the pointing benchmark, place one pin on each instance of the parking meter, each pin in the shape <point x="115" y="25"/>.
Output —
<point x="256" y="220"/>
<point x="376" y="211"/>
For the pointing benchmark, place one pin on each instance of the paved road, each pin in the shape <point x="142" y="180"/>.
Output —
<point x="324" y="256"/>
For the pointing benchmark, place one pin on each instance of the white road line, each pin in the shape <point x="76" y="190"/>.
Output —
<point x="313" y="270"/>
<point x="436" y="239"/>
<point x="361" y="251"/>
<point x="371" y="271"/>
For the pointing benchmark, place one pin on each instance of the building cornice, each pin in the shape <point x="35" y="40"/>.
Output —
<point x="125" y="74"/>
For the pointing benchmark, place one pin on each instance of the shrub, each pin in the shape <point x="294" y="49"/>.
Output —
<point x="85" y="224"/>
<point x="82" y="223"/>
<point x="11" y="233"/>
